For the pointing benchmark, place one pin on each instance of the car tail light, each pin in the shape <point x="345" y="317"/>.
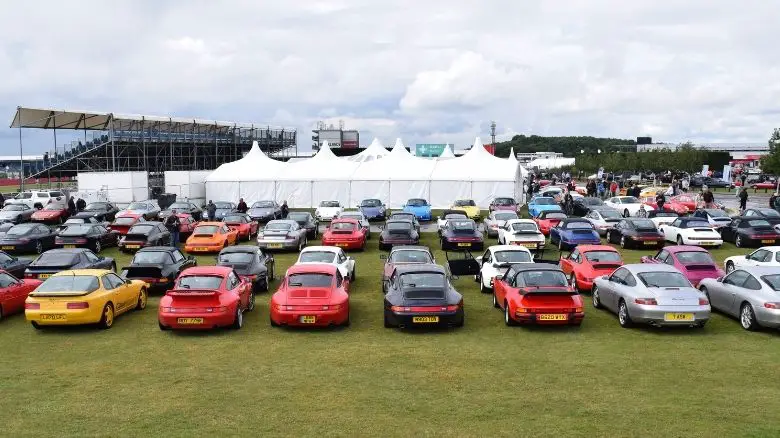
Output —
<point x="703" y="301"/>
<point x="78" y="305"/>
<point x="32" y="306"/>
<point x="646" y="301"/>
<point x="24" y="240"/>
<point x="334" y="307"/>
<point x="578" y="310"/>
<point x="400" y="309"/>
<point x="772" y="305"/>
<point x="453" y="308"/>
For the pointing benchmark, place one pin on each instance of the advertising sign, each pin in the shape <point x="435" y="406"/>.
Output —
<point x="429" y="149"/>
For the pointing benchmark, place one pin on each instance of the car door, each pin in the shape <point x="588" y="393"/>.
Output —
<point x="729" y="232"/>
<point x="608" y="294"/>
<point x="346" y="264"/>
<point x="749" y="290"/>
<point x="722" y="298"/>
<point x="12" y="294"/>
<point x="235" y="285"/>
<point x="486" y="264"/>
<point x="567" y="263"/>
<point x="757" y="258"/>
<point x="116" y="292"/>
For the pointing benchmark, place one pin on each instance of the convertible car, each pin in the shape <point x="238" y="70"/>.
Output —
<point x="635" y="232"/>
<point x="250" y="263"/>
<point x="603" y="218"/>
<point x="14" y="265"/>
<point x="587" y="262"/>
<point x="503" y="203"/>
<point x="13" y="293"/>
<point x="404" y="255"/>
<point x="746" y="231"/>
<point x="398" y="232"/>
<point x="496" y="261"/>
<point x="345" y="233"/>
<point x="446" y="215"/>
<point x="148" y="209"/>
<point x="242" y="224"/>
<point x="469" y="207"/>
<point x="373" y="209"/>
<point x="282" y="234"/>
<point x="57" y="260"/>
<point x="572" y="232"/>
<point x="663" y="217"/>
<point x="419" y="208"/>
<point x="27" y="238"/>
<point x="306" y="221"/>
<point x="330" y="255"/>
<point x="50" y="214"/>
<point x="83" y="296"/>
<point x="716" y="217"/>
<point x="764" y="256"/>
<point x="694" y="262"/>
<point x="421" y="295"/>
<point x="311" y="295"/>
<point x="548" y="219"/>
<point x="461" y="234"/>
<point x="750" y="294"/>
<point x="358" y="216"/>
<point x="158" y="266"/>
<point x="264" y="211"/>
<point x="691" y="231"/>
<point x="94" y="237"/>
<point x="144" y="234"/>
<point x="539" y="204"/>
<point x="523" y="232"/>
<point x="628" y="205"/>
<point x="655" y="294"/>
<point x="537" y="294"/>
<point x="210" y="237"/>
<point x="685" y="200"/>
<point x="669" y="205"/>
<point x="410" y="217"/>
<point x="328" y="210"/>
<point x="206" y="297"/>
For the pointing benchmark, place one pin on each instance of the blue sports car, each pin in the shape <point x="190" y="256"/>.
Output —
<point x="419" y="208"/>
<point x="373" y="209"/>
<point x="542" y="203"/>
<point x="572" y="232"/>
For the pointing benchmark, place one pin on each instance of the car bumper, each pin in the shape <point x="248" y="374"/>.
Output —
<point x="344" y="245"/>
<point x="176" y="321"/>
<point x="277" y="244"/>
<point x="18" y="248"/>
<point x="703" y="243"/>
<point x="538" y="318"/>
<point x="768" y="317"/>
<point x="408" y="319"/>
<point x="322" y="318"/>
<point x="130" y="247"/>
<point x="202" y="249"/>
<point x="264" y="218"/>
<point x="533" y="246"/>
<point x="478" y="246"/>
<point x="641" y="243"/>
<point x="63" y="316"/>
<point x="657" y="315"/>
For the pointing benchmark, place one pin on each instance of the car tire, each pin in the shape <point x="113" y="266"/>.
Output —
<point x="560" y="244"/>
<point x="507" y="317"/>
<point x="96" y="247"/>
<point x="482" y="288"/>
<point x="608" y="237"/>
<point x="679" y="240"/>
<point x="624" y="319"/>
<point x="747" y="317"/>
<point x="729" y="267"/>
<point x="596" y="298"/>
<point x="251" y="306"/>
<point x="623" y="243"/>
<point x="353" y="274"/>
<point x="495" y="301"/>
<point x="36" y="326"/>
<point x="266" y="284"/>
<point x="573" y="282"/>
<point x="38" y="247"/>
<point x="143" y="297"/>
<point x="107" y="317"/>
<point x="238" y="321"/>
<point x="738" y="241"/>
<point x="300" y="245"/>
<point x="271" y="320"/>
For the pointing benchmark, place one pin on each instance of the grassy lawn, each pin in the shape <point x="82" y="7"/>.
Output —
<point x="482" y="380"/>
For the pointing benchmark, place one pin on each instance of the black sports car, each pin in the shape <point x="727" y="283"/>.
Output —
<point x="102" y="211"/>
<point x="14" y="265"/>
<point x="307" y="221"/>
<point x="182" y="207"/>
<point x="80" y="218"/>
<point x="250" y="262"/>
<point x="27" y="238"/>
<point x="750" y="231"/>
<point x="398" y="232"/>
<point x="401" y="215"/>
<point x="698" y="181"/>
<point x="145" y="234"/>
<point x="461" y="234"/>
<point x="769" y="214"/>
<point x="583" y="206"/>
<point x="421" y="295"/>
<point x="94" y="237"/>
<point x="637" y="232"/>
<point x="56" y="260"/>
<point x="4" y="227"/>
<point x="158" y="266"/>
<point x="264" y="211"/>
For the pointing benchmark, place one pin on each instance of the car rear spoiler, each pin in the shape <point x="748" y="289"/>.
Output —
<point x="192" y="292"/>
<point x="60" y="294"/>
<point x="549" y="290"/>
<point x="462" y="263"/>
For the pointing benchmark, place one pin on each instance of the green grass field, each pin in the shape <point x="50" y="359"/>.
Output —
<point x="485" y="379"/>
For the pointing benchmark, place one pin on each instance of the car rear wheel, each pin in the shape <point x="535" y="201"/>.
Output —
<point x="38" y="247"/>
<point x="738" y="242"/>
<point x="96" y="246"/>
<point x="142" y="299"/>
<point x="507" y="317"/>
<point x="35" y="325"/>
<point x="623" y="317"/>
<point x="596" y="298"/>
<point x="251" y="306"/>
<point x="353" y="275"/>
<point x="573" y="281"/>
<point x="729" y="266"/>
<point x="747" y="317"/>
<point x="107" y="317"/>
<point x="679" y="240"/>
<point x="495" y="301"/>
<point x="238" y="321"/>
<point x="609" y="237"/>
<point x="623" y="242"/>
<point x="560" y="244"/>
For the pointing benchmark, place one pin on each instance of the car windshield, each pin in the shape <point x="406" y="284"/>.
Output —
<point x="371" y="203"/>
<point x="298" y="216"/>
<point x="545" y="201"/>
<point x="454" y="216"/>
<point x="317" y="257"/>
<point x="716" y="213"/>
<point x="610" y="214"/>
<point x="23" y="195"/>
<point x="398" y="226"/>
<point x="76" y="230"/>
<point x="406" y="216"/>
<point x="236" y="257"/>
<point x="461" y="225"/>
<point x="234" y="218"/>
<point x="53" y="207"/>
<point x="151" y="257"/>
<point x="19" y="230"/>
<point x="773" y="280"/>
<point x="54" y="258"/>
<point x="310" y="280"/>
<point x="579" y="226"/>
<point x="695" y="257"/>
<point x="280" y="226"/>
<point x="644" y="224"/>
<point x="544" y="278"/>
<point x="205" y="229"/>
<point x="759" y="223"/>
<point x="697" y="224"/>
<point x="263" y="204"/>
<point x="223" y="205"/>
<point x="96" y="206"/>
<point x="553" y="215"/>
<point x="663" y="279"/>
<point x="504" y="201"/>
<point x="602" y="256"/>
<point x="410" y="256"/>
<point x="15" y="207"/>
<point x="629" y="200"/>
<point x="512" y="257"/>
<point x="524" y="226"/>
<point x="141" y="229"/>
<point x="465" y="203"/>
<point x="69" y="283"/>
<point x="505" y="216"/>
<point x="329" y="204"/>
<point x="342" y="226"/>
<point x="592" y="201"/>
<point x="422" y="280"/>
<point x="179" y="206"/>
<point x="417" y="203"/>
<point x="137" y="206"/>
<point x="199" y="282"/>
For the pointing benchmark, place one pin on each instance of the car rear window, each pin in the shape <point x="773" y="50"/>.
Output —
<point x="278" y="226"/>
<point x="55" y="259"/>
<point x="610" y="214"/>
<point x="694" y="257"/>
<point x="697" y="224"/>
<point x="524" y="226"/>
<point x="509" y="216"/>
<point x="317" y="257"/>
<point x="602" y="256"/>
<point x="545" y="201"/>
<point x="298" y="216"/>
<point x="76" y="230"/>
<point x="512" y="257"/>
<point x="151" y="257"/>
<point x="579" y="226"/>
<point x="236" y="257"/>
<point x="772" y="280"/>
<point x="205" y="230"/>
<point x="663" y="279"/>
<point x="759" y="223"/>
<point x="69" y="283"/>
<point x="409" y="256"/>
<point x="342" y="226"/>
<point x="124" y="221"/>
<point x="15" y="207"/>
<point x="141" y="229"/>
<point x="236" y="219"/>
<point x="310" y="280"/>
<point x="543" y="278"/>
<point x="398" y="226"/>
<point x="200" y="282"/>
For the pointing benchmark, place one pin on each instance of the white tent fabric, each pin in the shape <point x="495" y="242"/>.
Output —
<point x="374" y="151"/>
<point x="245" y="178"/>
<point x="512" y="157"/>
<point x="446" y="154"/>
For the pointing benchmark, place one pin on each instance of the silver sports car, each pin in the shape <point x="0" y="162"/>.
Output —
<point x="496" y="219"/>
<point x="16" y="213"/>
<point x="282" y="234"/>
<point x="751" y="294"/>
<point x="651" y="294"/>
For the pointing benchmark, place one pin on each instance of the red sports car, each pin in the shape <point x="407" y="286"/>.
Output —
<point x="242" y="223"/>
<point x="587" y="262"/>
<point x="13" y="292"/>
<point x="548" y="219"/>
<point x="763" y="185"/>
<point x="51" y="214"/>
<point x="312" y="294"/>
<point x="669" y="205"/>
<point x="345" y="233"/>
<point x="532" y="293"/>
<point x="123" y="223"/>
<point x="206" y="297"/>
<point x="686" y="200"/>
<point x="187" y="223"/>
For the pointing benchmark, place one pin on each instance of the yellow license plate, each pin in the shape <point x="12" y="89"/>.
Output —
<point x="341" y="244"/>
<point x="552" y="317"/>
<point x="425" y="319"/>
<point x="678" y="317"/>
<point x="274" y="245"/>
<point x="200" y="249"/>
<point x="763" y="241"/>
<point x="528" y="245"/>
<point x="464" y="244"/>
<point x="54" y="317"/>
<point x="133" y="246"/>
<point x="308" y="319"/>
<point x="649" y="242"/>
<point x="69" y="246"/>
<point x="44" y="275"/>
<point x="8" y="247"/>
<point x="189" y="321"/>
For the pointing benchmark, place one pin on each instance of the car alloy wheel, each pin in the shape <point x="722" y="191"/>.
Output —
<point x="595" y="298"/>
<point x="238" y="322"/>
<point x="251" y="306"/>
<point x="38" y="247"/>
<point x="142" y="298"/>
<point x="623" y="242"/>
<point x="495" y="301"/>
<point x="626" y="213"/>
<point x="107" y="318"/>
<point x="747" y="318"/>
<point x="623" y="318"/>
<point x="738" y="242"/>
<point x="729" y="267"/>
<point x="573" y="281"/>
<point x="507" y="316"/>
<point x="609" y="237"/>
<point x="97" y="246"/>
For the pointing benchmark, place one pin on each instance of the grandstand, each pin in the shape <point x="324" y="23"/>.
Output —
<point x="122" y="143"/>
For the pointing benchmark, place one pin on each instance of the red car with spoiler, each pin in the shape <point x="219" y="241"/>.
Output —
<point x="311" y="295"/>
<point x="206" y="297"/>
<point x="534" y="293"/>
<point x="586" y="262"/>
<point x="547" y="220"/>
<point x="243" y="224"/>
<point x="345" y="233"/>
<point x="123" y="223"/>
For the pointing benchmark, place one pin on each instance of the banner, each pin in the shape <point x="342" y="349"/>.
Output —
<point x="726" y="173"/>
<point x="429" y="150"/>
<point x="704" y="169"/>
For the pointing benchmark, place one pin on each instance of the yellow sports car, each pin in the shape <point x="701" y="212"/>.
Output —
<point x="469" y="207"/>
<point x="83" y="296"/>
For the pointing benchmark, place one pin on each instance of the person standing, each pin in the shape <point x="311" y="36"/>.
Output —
<point x="81" y="204"/>
<point x="743" y="197"/>
<point x="685" y="185"/>
<point x="241" y="207"/>
<point x="211" y="210"/>
<point x="2" y="200"/>
<point x="613" y="188"/>
<point x="285" y="210"/>
<point x="743" y="178"/>
<point x="172" y="223"/>
<point x="660" y="200"/>
<point x="707" y="197"/>
<point x="71" y="206"/>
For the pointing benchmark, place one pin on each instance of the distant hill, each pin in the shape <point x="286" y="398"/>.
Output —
<point x="569" y="146"/>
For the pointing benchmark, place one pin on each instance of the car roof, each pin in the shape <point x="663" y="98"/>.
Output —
<point x="588" y="248"/>
<point x="345" y="220"/>
<point x="524" y="267"/>
<point x="520" y="221"/>
<point x="420" y="267"/>
<point x="398" y="221"/>
<point x="214" y="223"/>
<point x="517" y="248"/>
<point x="66" y="251"/>
<point x="95" y="272"/>
<point x="451" y="211"/>
<point x="208" y="270"/>
<point x="320" y="248"/>
<point x="282" y="221"/>
<point x="571" y="220"/>
<point x="250" y="249"/>
<point x="760" y="270"/>
<point x="312" y="268"/>
<point x="636" y="268"/>
<point x="410" y="248"/>
<point x="161" y="249"/>
<point x="684" y="248"/>
<point x="690" y="219"/>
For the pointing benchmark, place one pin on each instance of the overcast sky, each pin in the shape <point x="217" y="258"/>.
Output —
<point x="426" y="71"/>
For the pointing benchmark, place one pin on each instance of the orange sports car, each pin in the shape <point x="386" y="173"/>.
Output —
<point x="210" y="237"/>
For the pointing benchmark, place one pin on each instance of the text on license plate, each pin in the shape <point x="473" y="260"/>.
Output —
<point x="44" y="275"/>
<point x="133" y="246"/>
<point x="308" y="319"/>
<point x="425" y="319"/>
<point x="341" y="245"/>
<point x="464" y="244"/>
<point x="189" y="321"/>
<point x="274" y="245"/>
<point x="678" y="317"/>
<point x="552" y="317"/>
<point x="69" y="246"/>
<point x="768" y="241"/>
<point x="200" y="248"/>
<point x="8" y="247"/>
<point x="54" y="317"/>
<point x="528" y="245"/>
<point x="649" y="242"/>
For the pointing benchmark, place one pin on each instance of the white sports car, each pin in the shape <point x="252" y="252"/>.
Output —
<point x="603" y="219"/>
<point x="496" y="219"/>
<point x="628" y="205"/>
<point x="764" y="256"/>
<point x="523" y="232"/>
<point x="714" y="216"/>
<point x="328" y="210"/>
<point x="446" y="215"/>
<point x="691" y="231"/>
<point x="330" y="255"/>
<point x="662" y="217"/>
<point x="497" y="260"/>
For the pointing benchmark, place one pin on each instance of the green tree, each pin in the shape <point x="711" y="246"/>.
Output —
<point x="774" y="140"/>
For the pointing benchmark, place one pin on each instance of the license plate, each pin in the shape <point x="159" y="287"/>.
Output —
<point x="274" y="245"/>
<point x="649" y="242"/>
<point x="8" y="247"/>
<point x="44" y="275"/>
<point x="54" y="317"/>
<point x="200" y="249"/>
<point x="133" y="246"/>
<point x="189" y="321"/>
<point x="308" y="319"/>
<point x="552" y="317"/>
<point x="763" y="241"/>
<point x="341" y="245"/>
<point x="528" y="245"/>
<point x="425" y="319"/>
<point x="69" y="246"/>
<point x="706" y="243"/>
<point x="678" y="317"/>
<point x="464" y="244"/>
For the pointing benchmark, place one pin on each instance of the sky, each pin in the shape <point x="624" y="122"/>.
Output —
<point x="425" y="71"/>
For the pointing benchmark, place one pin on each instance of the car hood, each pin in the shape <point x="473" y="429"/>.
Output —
<point x="328" y="211"/>
<point x="9" y="214"/>
<point x="372" y="211"/>
<point x="261" y="211"/>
